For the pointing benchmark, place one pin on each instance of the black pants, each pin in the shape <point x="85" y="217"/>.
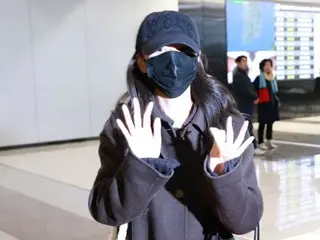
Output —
<point x="250" y="129"/>
<point x="261" y="132"/>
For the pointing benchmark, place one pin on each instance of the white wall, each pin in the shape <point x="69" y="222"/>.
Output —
<point x="63" y="64"/>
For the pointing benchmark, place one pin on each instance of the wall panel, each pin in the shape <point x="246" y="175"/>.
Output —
<point x="60" y="69"/>
<point x="110" y="46"/>
<point x="209" y="16"/>
<point x="214" y="37"/>
<point x="18" y="123"/>
<point x="63" y="65"/>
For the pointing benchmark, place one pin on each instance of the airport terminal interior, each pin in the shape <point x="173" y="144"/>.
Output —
<point x="63" y="67"/>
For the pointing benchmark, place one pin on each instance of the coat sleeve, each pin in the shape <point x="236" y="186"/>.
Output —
<point x="235" y="196"/>
<point x="125" y="184"/>
<point x="256" y="83"/>
<point x="244" y="88"/>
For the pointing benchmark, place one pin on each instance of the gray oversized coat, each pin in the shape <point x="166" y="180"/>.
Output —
<point x="175" y="197"/>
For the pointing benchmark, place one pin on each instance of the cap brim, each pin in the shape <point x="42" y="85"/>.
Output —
<point x="168" y="39"/>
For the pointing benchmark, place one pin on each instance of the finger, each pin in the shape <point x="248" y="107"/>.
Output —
<point x="147" y="116"/>
<point x="157" y="130"/>
<point x="223" y="135"/>
<point x="244" y="146"/>
<point x="213" y="162"/>
<point x="229" y="131"/>
<point x="128" y="119"/>
<point x="219" y="136"/>
<point x="216" y="135"/>
<point x="123" y="129"/>
<point x="241" y="135"/>
<point x="137" y="113"/>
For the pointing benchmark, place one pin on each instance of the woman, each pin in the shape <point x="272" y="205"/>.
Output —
<point x="156" y="180"/>
<point x="268" y="106"/>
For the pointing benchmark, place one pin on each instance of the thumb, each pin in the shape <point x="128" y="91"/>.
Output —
<point x="215" y="151"/>
<point x="214" y="163"/>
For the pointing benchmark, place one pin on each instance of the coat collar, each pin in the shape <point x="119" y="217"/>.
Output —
<point x="196" y="119"/>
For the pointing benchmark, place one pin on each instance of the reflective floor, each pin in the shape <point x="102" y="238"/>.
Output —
<point x="44" y="191"/>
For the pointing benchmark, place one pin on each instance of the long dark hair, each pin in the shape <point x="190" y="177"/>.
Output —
<point x="208" y="93"/>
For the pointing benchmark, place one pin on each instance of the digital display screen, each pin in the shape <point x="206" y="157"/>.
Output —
<point x="287" y="34"/>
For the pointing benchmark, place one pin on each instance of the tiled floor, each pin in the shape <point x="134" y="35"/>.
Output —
<point x="308" y="125"/>
<point x="44" y="191"/>
<point x="27" y="218"/>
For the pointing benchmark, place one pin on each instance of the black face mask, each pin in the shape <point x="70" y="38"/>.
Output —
<point x="172" y="72"/>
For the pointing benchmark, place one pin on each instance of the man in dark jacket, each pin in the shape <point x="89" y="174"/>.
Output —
<point x="245" y="94"/>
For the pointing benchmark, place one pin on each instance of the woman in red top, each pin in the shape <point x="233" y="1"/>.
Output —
<point x="268" y="106"/>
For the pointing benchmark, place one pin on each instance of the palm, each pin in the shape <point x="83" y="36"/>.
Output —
<point x="228" y="148"/>
<point x="143" y="142"/>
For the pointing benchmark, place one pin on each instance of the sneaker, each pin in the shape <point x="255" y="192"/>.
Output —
<point x="259" y="152"/>
<point x="263" y="147"/>
<point x="271" y="145"/>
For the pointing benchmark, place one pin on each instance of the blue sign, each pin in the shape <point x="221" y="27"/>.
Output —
<point x="250" y="25"/>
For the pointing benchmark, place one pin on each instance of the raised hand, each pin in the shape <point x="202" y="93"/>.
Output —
<point x="143" y="142"/>
<point x="225" y="148"/>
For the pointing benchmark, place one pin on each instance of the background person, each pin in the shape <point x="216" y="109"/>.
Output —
<point x="245" y="95"/>
<point x="268" y="106"/>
